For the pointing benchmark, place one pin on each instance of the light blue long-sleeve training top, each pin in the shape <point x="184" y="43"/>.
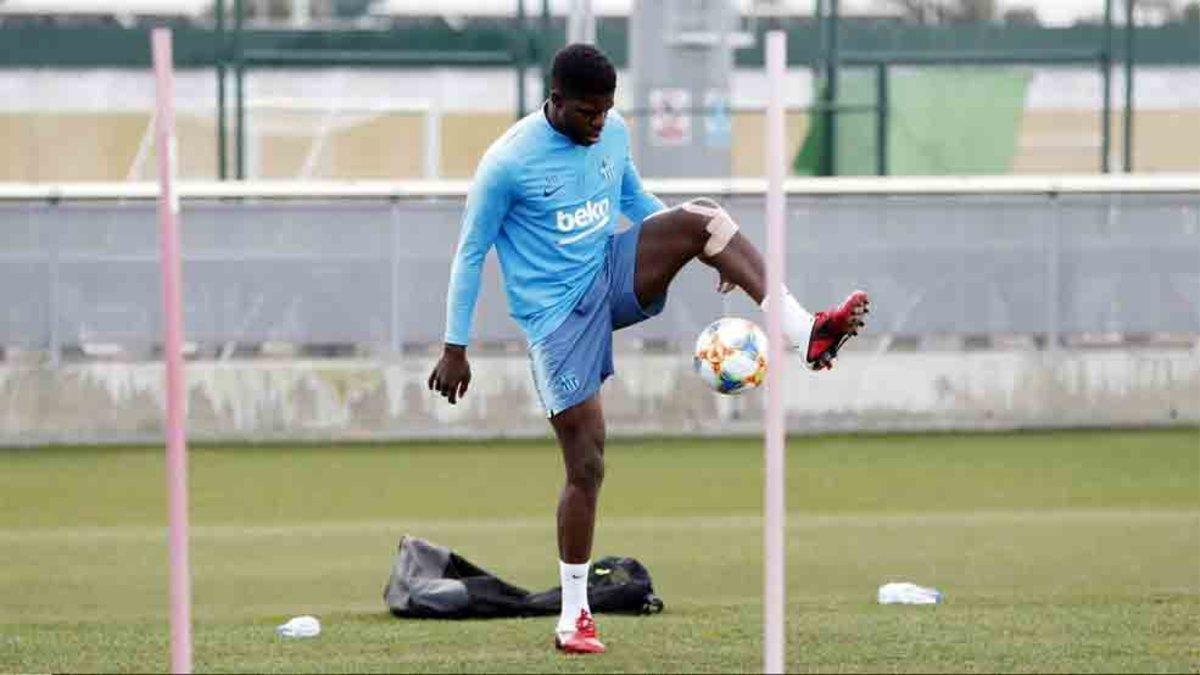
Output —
<point x="549" y="206"/>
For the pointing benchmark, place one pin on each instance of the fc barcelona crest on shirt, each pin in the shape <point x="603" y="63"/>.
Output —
<point x="606" y="170"/>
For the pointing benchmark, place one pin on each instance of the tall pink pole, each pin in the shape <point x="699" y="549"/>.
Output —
<point x="773" y="488"/>
<point x="177" y="489"/>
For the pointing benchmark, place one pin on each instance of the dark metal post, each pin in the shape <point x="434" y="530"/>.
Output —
<point x="881" y="118"/>
<point x="545" y="50"/>
<point x="222" y="160"/>
<point x="820" y="66"/>
<point x="1106" y="79"/>
<point x="239" y="78"/>
<point x="822" y="45"/>
<point x="829" y="157"/>
<point x="1129" y="56"/>
<point x="522" y="45"/>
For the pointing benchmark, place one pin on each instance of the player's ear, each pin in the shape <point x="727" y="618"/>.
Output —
<point x="556" y="99"/>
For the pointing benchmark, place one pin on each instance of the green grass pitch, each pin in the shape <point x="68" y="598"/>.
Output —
<point x="1057" y="552"/>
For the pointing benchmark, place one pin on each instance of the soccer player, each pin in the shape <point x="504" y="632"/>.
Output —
<point x="546" y="194"/>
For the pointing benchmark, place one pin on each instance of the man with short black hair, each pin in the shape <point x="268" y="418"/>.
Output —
<point x="546" y="195"/>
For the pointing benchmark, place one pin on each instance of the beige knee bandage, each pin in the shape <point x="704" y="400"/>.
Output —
<point x="720" y="227"/>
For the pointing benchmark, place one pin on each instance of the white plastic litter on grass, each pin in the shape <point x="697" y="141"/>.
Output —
<point x="905" y="593"/>
<point x="300" y="627"/>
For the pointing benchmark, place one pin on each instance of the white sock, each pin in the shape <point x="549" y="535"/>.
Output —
<point x="797" y="322"/>
<point x="574" y="594"/>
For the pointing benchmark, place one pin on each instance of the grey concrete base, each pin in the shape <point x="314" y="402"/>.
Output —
<point x="261" y="400"/>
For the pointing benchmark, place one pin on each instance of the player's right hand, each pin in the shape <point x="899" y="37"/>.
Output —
<point x="452" y="373"/>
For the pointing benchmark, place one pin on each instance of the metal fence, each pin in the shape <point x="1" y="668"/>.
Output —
<point x="323" y="263"/>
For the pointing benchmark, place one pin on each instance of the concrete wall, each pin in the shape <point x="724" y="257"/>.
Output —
<point x="653" y="393"/>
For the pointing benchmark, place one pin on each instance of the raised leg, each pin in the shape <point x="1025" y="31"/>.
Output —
<point x="700" y="229"/>
<point x="672" y="238"/>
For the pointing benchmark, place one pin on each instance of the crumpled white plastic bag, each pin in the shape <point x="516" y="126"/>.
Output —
<point x="300" y="627"/>
<point x="905" y="593"/>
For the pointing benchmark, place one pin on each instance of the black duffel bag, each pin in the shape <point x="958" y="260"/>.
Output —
<point x="429" y="581"/>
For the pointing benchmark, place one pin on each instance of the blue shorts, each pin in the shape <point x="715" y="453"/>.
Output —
<point x="571" y="363"/>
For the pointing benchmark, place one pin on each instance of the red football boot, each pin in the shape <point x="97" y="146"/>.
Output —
<point x="584" y="640"/>
<point x="833" y="327"/>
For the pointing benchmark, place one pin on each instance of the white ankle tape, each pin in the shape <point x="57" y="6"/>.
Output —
<point x="720" y="227"/>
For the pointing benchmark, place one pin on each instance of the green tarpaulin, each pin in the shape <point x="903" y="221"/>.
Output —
<point x="940" y="120"/>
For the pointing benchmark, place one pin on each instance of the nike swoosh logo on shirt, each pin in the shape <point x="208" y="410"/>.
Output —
<point x="580" y="235"/>
<point x="547" y="191"/>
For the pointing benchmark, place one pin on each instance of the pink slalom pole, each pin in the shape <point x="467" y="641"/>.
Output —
<point x="176" y="429"/>
<point x="773" y="488"/>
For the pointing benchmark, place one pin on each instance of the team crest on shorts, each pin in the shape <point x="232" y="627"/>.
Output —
<point x="567" y="382"/>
